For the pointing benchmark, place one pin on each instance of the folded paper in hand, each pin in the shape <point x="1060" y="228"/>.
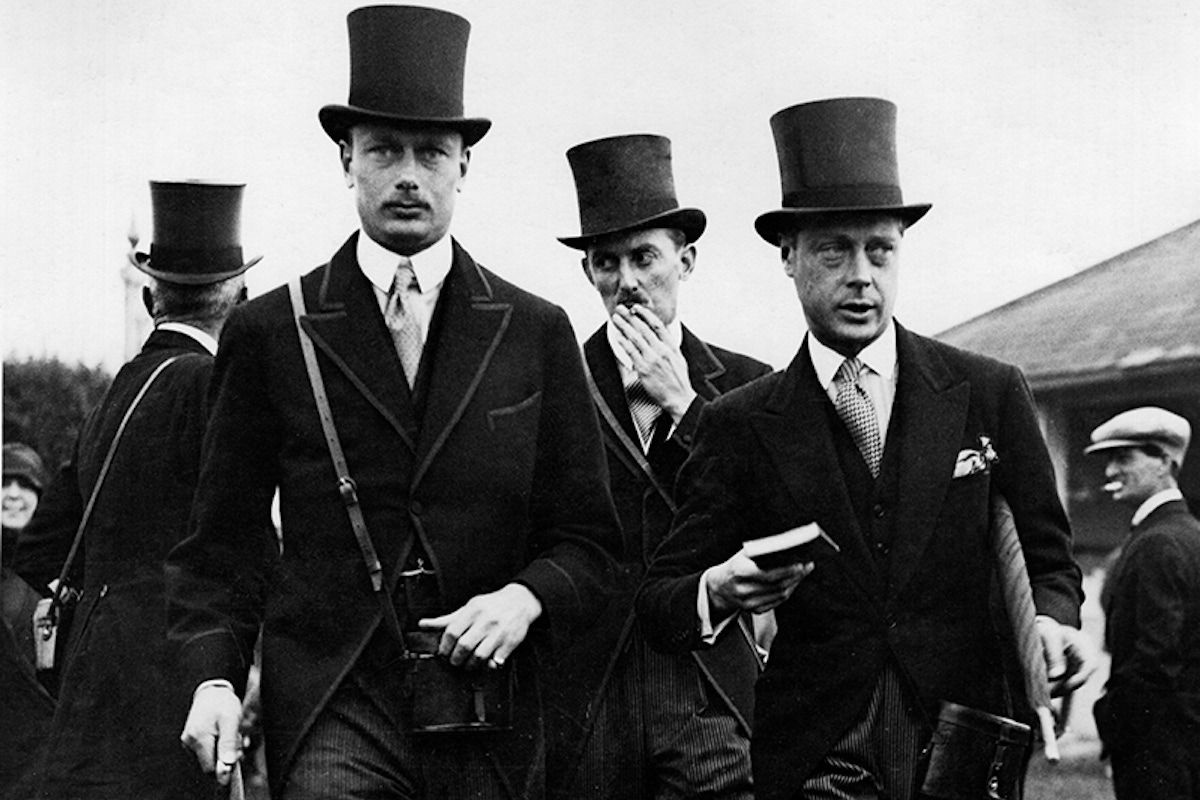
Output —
<point x="797" y="546"/>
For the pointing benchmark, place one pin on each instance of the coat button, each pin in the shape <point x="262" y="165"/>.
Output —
<point x="882" y="548"/>
<point x="416" y="508"/>
<point x="879" y="510"/>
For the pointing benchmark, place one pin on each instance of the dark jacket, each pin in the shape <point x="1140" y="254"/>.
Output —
<point x="1151" y="602"/>
<point x="912" y="579"/>
<point x="500" y="479"/>
<point x="121" y="703"/>
<point x="643" y="491"/>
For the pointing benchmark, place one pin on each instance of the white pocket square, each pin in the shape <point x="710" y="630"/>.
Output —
<point x="970" y="462"/>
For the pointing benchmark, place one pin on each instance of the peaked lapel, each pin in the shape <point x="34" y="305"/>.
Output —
<point x="607" y="375"/>
<point x="347" y="326"/>
<point x="793" y="427"/>
<point x="931" y="407"/>
<point x="471" y="328"/>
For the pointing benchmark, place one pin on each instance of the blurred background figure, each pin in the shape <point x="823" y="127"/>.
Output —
<point x="1149" y="716"/>
<point x="28" y="707"/>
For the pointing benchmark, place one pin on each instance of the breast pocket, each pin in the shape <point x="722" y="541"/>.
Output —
<point x="513" y="435"/>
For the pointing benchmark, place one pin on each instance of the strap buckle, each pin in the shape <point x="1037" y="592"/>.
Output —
<point x="348" y="489"/>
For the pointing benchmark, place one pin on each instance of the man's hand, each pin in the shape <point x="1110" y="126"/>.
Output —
<point x="738" y="584"/>
<point x="661" y="366"/>
<point x="488" y="628"/>
<point x="1070" y="655"/>
<point x="212" y="730"/>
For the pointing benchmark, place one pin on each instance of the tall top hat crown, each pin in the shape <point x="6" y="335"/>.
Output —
<point x="406" y="66"/>
<point x="625" y="183"/>
<point x="836" y="156"/>
<point x="197" y="236"/>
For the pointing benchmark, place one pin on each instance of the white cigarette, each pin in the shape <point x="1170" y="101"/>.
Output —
<point x="1112" y="486"/>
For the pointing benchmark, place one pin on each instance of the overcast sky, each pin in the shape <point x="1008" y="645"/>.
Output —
<point x="1048" y="136"/>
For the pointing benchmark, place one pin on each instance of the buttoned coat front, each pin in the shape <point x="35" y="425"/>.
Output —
<point x="501" y="480"/>
<point x="913" y="588"/>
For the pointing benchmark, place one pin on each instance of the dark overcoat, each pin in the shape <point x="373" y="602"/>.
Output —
<point x="121" y="704"/>
<point x="643" y="492"/>
<point x="502" y="479"/>
<point x="914" y="588"/>
<point x="1151" y="707"/>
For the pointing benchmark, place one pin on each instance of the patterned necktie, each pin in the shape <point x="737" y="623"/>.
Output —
<point x="855" y="408"/>
<point x="402" y="322"/>
<point x="644" y="411"/>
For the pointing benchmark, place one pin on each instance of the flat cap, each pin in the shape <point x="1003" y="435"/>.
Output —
<point x="1144" y="426"/>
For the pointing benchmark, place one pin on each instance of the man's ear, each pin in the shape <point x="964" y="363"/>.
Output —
<point x="786" y="251"/>
<point x="587" y="272"/>
<point x="687" y="257"/>
<point x="148" y="301"/>
<point x="346" y="155"/>
<point x="463" y="163"/>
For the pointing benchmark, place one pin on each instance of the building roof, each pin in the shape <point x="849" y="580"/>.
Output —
<point x="1138" y="312"/>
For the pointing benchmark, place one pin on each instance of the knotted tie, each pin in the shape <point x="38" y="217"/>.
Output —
<point x="644" y="411"/>
<point x="857" y="411"/>
<point x="402" y="322"/>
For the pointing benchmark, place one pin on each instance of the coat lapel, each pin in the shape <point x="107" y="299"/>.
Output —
<point x="793" y="428"/>
<point x="347" y="326"/>
<point x="607" y="374"/>
<point x="703" y="365"/>
<point x="931" y="407"/>
<point x="472" y="327"/>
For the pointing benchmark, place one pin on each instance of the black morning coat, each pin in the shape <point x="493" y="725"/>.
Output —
<point x="502" y="479"/>
<point x="913" y="587"/>
<point x="122" y="702"/>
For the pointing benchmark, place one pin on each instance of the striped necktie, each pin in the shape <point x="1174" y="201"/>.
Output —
<point x="402" y="322"/>
<point x="857" y="411"/>
<point x="644" y="411"/>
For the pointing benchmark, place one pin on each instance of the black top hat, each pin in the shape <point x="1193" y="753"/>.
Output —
<point x="406" y="65"/>
<point x="196" y="233"/>
<point x="625" y="183"/>
<point x="835" y="156"/>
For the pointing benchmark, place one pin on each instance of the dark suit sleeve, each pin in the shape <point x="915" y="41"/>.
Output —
<point x="1025" y="477"/>
<point x="43" y="545"/>
<point x="1158" y="590"/>
<point x="707" y="530"/>
<point x="216" y="576"/>
<point x="574" y="524"/>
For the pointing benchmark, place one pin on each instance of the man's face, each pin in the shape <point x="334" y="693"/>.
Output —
<point x="845" y="269"/>
<point x="1134" y="475"/>
<point x="640" y="268"/>
<point x="20" y="501"/>
<point x="405" y="181"/>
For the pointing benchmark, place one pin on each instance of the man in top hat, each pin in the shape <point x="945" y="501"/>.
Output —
<point x="472" y="454"/>
<point x="1149" y="716"/>
<point x="636" y="723"/>
<point x="115" y="733"/>
<point x="892" y="443"/>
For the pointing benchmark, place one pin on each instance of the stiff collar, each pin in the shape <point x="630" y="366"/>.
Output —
<point x="628" y="373"/>
<point x="431" y="265"/>
<point x="1152" y="502"/>
<point x="879" y="356"/>
<point x="208" y="342"/>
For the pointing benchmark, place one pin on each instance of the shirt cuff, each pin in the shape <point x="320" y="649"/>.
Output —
<point x="211" y="684"/>
<point x="708" y="633"/>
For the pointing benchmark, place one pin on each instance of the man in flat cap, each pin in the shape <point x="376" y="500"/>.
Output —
<point x="444" y="517"/>
<point x="130" y="485"/>
<point x="1149" y="716"/>
<point x="891" y="443"/>
<point x="635" y="723"/>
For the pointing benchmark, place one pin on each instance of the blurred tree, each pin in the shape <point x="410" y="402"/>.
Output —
<point x="46" y="402"/>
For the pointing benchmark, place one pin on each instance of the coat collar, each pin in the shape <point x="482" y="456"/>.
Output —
<point x="347" y="326"/>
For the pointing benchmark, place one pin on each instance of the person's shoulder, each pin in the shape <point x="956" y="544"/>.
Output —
<point x="740" y="362"/>
<point x="966" y="363"/>
<point x="749" y="396"/>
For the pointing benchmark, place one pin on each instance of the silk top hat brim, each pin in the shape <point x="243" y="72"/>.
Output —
<point x="196" y="233"/>
<point x="626" y="184"/>
<point x="836" y="157"/>
<point x="406" y="69"/>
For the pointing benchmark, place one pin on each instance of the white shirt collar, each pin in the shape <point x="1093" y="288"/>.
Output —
<point x="209" y="343"/>
<point x="879" y="356"/>
<point x="1152" y="502"/>
<point x="431" y="265"/>
<point x="628" y="373"/>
